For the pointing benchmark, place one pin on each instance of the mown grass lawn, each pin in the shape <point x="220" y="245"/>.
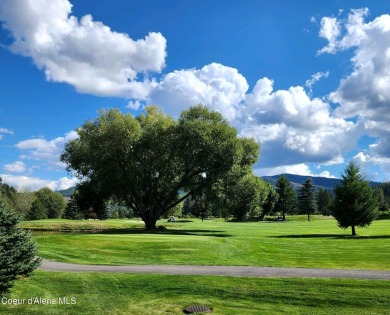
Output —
<point x="296" y="243"/>
<point x="104" y="293"/>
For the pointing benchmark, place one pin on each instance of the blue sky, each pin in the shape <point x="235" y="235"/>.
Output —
<point x="309" y="80"/>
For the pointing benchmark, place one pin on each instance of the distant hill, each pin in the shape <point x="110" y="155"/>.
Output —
<point x="67" y="192"/>
<point x="298" y="180"/>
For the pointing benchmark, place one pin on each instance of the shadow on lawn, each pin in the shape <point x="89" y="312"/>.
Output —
<point x="214" y="233"/>
<point x="333" y="236"/>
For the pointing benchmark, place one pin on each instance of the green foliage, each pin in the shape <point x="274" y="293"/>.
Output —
<point x="355" y="203"/>
<point x="383" y="204"/>
<point x="7" y="193"/>
<point x="386" y="191"/>
<point x="147" y="161"/>
<point x="324" y="201"/>
<point x="17" y="250"/>
<point x="90" y="202"/>
<point x="287" y="198"/>
<point x="72" y="211"/>
<point x="37" y="211"/>
<point x="307" y="198"/>
<point x="247" y="197"/>
<point x="23" y="201"/>
<point x="48" y="204"/>
<point x="270" y="201"/>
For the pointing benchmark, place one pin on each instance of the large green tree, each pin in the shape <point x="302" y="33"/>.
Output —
<point x="17" y="249"/>
<point x="153" y="162"/>
<point x="53" y="202"/>
<point x="287" y="198"/>
<point x="355" y="203"/>
<point x="307" y="198"/>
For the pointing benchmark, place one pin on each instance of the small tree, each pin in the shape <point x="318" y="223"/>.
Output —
<point x="72" y="211"/>
<point x="307" y="198"/>
<point x="287" y="201"/>
<point x="17" y="250"/>
<point x="355" y="203"/>
<point x="23" y="201"/>
<point x="324" y="201"/>
<point x="270" y="201"/>
<point x="37" y="211"/>
<point x="383" y="205"/>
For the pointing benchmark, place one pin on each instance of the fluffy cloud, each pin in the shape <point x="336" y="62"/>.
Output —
<point x="220" y="87"/>
<point x="293" y="127"/>
<point x="16" y="167"/>
<point x="4" y="131"/>
<point x="34" y="183"/>
<point x="365" y="93"/>
<point x="84" y="53"/>
<point x="46" y="151"/>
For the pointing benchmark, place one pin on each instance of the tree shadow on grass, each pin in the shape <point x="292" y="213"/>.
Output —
<point x="214" y="233"/>
<point x="333" y="236"/>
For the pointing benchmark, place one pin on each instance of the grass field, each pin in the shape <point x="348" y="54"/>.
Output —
<point x="158" y="294"/>
<point x="296" y="243"/>
<point x="319" y="243"/>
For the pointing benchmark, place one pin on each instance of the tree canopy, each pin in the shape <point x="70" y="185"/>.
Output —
<point x="307" y="198"/>
<point x="153" y="162"/>
<point x="287" y="200"/>
<point x="355" y="203"/>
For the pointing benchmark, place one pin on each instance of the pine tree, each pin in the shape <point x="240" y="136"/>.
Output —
<point x="355" y="203"/>
<point x="17" y="250"/>
<point x="324" y="201"/>
<point x="307" y="198"/>
<point x="287" y="201"/>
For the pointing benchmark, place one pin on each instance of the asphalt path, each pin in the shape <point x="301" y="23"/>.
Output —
<point x="237" y="271"/>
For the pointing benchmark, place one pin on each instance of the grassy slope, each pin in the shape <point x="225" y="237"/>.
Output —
<point x="159" y="294"/>
<point x="318" y="243"/>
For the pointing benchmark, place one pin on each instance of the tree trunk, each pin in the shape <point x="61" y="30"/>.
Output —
<point x="283" y="216"/>
<point x="308" y="217"/>
<point x="150" y="224"/>
<point x="353" y="230"/>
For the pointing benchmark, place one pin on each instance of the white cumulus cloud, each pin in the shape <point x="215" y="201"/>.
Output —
<point x="293" y="127"/>
<point x="16" y="167"/>
<point x="84" y="53"/>
<point x="35" y="183"/>
<point x="46" y="151"/>
<point x="364" y="94"/>
<point x="217" y="86"/>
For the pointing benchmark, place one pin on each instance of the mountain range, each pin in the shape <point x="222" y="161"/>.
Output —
<point x="298" y="180"/>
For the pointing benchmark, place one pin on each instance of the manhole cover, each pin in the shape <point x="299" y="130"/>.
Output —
<point x="197" y="309"/>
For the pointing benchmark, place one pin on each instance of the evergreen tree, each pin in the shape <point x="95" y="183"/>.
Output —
<point x="37" y="211"/>
<point x="307" y="198"/>
<point x="324" y="201"/>
<point x="287" y="201"/>
<point x="72" y="211"/>
<point x="270" y="201"/>
<point x="355" y="202"/>
<point x="383" y="205"/>
<point x="17" y="250"/>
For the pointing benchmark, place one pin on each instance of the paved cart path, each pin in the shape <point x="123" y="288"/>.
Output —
<point x="239" y="271"/>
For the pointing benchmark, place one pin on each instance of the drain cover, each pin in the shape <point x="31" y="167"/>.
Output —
<point x="197" y="309"/>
